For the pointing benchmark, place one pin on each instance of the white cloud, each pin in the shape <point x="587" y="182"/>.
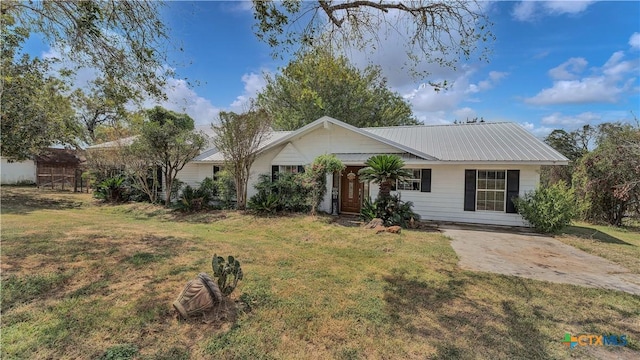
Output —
<point x="182" y="99"/>
<point x="538" y="131"/>
<point x="571" y="120"/>
<point x="605" y="85"/>
<point x="524" y="10"/>
<point x="568" y="70"/>
<point x="253" y="84"/>
<point x="465" y="113"/>
<point x="634" y="41"/>
<point x="531" y="10"/>
<point x="566" y="7"/>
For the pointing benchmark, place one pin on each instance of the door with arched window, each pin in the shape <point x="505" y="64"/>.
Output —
<point x="351" y="190"/>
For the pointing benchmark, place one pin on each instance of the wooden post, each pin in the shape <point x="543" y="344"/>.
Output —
<point x="64" y="177"/>
<point x="51" y="171"/>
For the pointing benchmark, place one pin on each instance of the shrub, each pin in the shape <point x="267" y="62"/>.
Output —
<point x="226" y="190"/>
<point x="196" y="199"/>
<point x="286" y="193"/>
<point x="548" y="209"/>
<point x="112" y="189"/>
<point x="391" y="210"/>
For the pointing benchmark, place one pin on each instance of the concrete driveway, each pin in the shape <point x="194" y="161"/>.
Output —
<point x="536" y="257"/>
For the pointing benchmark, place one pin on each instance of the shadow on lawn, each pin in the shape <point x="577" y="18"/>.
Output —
<point x="22" y="201"/>
<point x="593" y="234"/>
<point x="461" y="326"/>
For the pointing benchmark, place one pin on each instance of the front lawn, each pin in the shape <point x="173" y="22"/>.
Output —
<point x="83" y="280"/>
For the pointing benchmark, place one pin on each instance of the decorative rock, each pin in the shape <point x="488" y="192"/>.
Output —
<point x="394" y="229"/>
<point x="380" y="229"/>
<point x="374" y="223"/>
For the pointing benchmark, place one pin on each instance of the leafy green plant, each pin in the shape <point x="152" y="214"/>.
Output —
<point x="264" y="203"/>
<point x="548" y="209"/>
<point x="288" y="192"/>
<point x="316" y="177"/>
<point x="196" y="199"/>
<point x="384" y="169"/>
<point x="120" y="352"/>
<point x="392" y="211"/>
<point x="112" y="189"/>
<point x="227" y="273"/>
<point x="226" y="190"/>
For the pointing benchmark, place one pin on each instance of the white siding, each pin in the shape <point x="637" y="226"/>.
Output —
<point x="22" y="171"/>
<point x="338" y="140"/>
<point x="445" y="202"/>
<point x="193" y="173"/>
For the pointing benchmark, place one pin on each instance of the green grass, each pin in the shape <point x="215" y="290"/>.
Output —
<point x="618" y="244"/>
<point x="86" y="280"/>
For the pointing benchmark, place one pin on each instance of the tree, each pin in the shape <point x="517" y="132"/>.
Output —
<point x="443" y="32"/>
<point x="34" y="111"/>
<point x="384" y="170"/>
<point x="239" y="137"/>
<point x="121" y="39"/>
<point x="606" y="179"/>
<point x="169" y="141"/>
<point x="316" y="84"/>
<point x="103" y="105"/>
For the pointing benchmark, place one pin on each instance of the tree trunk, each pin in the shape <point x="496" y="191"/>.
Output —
<point x="385" y="190"/>
<point x="168" y="183"/>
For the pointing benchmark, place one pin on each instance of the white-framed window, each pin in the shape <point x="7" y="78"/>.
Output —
<point x="290" y="169"/>
<point x="491" y="190"/>
<point x="411" y="184"/>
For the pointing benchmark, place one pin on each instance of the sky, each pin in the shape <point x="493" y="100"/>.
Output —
<point x="554" y="64"/>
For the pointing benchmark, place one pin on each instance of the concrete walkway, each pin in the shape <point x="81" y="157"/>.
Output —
<point x="537" y="257"/>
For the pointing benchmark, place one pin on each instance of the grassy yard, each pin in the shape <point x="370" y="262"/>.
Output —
<point x="83" y="280"/>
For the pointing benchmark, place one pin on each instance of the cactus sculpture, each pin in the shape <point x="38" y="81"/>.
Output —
<point x="228" y="274"/>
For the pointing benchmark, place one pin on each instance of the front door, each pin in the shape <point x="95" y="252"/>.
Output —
<point x="350" y="190"/>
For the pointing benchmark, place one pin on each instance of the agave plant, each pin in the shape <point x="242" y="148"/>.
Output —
<point x="227" y="273"/>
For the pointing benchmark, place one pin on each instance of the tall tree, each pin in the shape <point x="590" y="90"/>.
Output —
<point x="439" y="31"/>
<point x="104" y="104"/>
<point x="169" y="140"/>
<point x="122" y="39"/>
<point x="239" y="137"/>
<point x="316" y="83"/>
<point x="34" y="111"/>
<point x="607" y="179"/>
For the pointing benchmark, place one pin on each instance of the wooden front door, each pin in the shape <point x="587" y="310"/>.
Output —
<point x="350" y="190"/>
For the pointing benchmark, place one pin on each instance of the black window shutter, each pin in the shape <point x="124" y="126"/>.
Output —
<point x="469" y="190"/>
<point x="513" y="188"/>
<point x="300" y="169"/>
<point x="274" y="172"/>
<point x="425" y="181"/>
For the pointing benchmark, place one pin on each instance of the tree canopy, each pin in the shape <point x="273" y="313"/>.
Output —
<point x="435" y="31"/>
<point x="316" y="83"/>
<point x="123" y="40"/>
<point x="239" y="137"/>
<point x="168" y="139"/>
<point x="34" y="111"/>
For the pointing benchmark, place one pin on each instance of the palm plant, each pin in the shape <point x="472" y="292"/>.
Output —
<point x="384" y="170"/>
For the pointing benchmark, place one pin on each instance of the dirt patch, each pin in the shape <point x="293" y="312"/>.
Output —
<point x="537" y="257"/>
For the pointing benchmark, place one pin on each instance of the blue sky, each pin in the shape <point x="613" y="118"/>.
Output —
<point x="553" y="65"/>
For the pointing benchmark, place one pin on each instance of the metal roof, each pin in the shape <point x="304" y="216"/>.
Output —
<point x="213" y="155"/>
<point x="500" y="142"/>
